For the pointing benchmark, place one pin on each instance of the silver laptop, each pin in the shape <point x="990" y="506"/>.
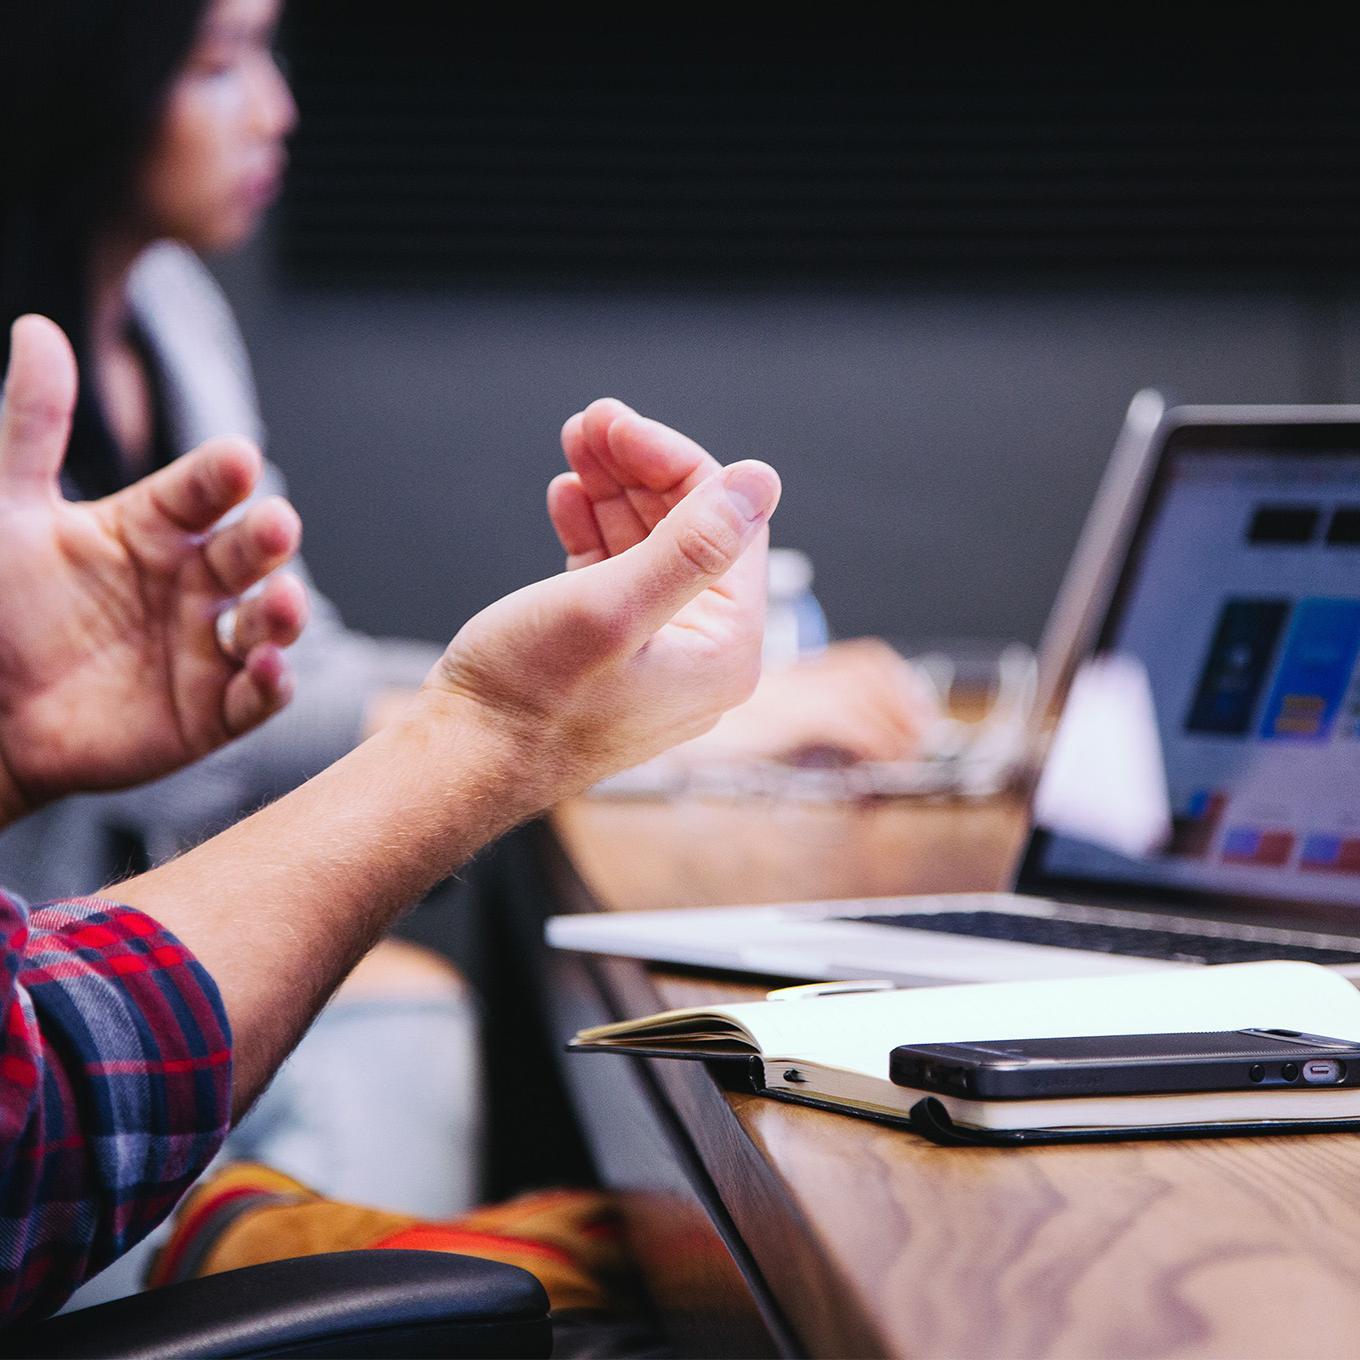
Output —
<point x="1200" y="801"/>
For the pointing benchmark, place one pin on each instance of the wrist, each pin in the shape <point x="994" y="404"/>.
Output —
<point x="474" y="770"/>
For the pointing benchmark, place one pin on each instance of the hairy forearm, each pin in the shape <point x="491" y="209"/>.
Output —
<point x="281" y="906"/>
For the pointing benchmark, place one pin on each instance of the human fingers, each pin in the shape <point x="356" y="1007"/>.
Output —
<point x="653" y="458"/>
<point x="573" y="520"/>
<point x="872" y="669"/>
<point x="693" y="548"/>
<point x="905" y="700"/>
<point x="258" y="690"/>
<point x="196" y="490"/>
<point x="864" y="728"/>
<point x="657" y="467"/>
<point x="276" y="615"/>
<point x="636" y="469"/>
<point x="585" y="441"/>
<point x="633" y="469"/>
<point x="40" y="396"/>
<point x="247" y="551"/>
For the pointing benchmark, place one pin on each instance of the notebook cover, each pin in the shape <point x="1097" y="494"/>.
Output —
<point x="930" y="1119"/>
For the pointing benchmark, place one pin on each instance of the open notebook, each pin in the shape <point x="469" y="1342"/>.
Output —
<point x="833" y="1050"/>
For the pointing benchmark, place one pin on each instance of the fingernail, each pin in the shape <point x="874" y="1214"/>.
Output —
<point x="751" y="489"/>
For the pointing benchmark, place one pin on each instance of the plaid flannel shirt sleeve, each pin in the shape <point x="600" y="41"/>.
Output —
<point x="115" y="1090"/>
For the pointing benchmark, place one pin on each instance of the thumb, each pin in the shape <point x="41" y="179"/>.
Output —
<point x="692" y="548"/>
<point x="40" y="396"/>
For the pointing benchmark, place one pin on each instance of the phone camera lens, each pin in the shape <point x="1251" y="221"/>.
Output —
<point x="1290" y="1071"/>
<point x="1257" y="1072"/>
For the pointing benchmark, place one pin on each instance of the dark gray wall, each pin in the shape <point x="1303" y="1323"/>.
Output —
<point x="939" y="448"/>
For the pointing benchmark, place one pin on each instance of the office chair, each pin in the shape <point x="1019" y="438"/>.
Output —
<point x="350" y="1303"/>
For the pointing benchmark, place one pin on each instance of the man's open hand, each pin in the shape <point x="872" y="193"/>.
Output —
<point x="653" y="633"/>
<point x="111" y="668"/>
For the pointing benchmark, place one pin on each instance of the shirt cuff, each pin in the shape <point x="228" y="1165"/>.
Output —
<point x="142" y="1030"/>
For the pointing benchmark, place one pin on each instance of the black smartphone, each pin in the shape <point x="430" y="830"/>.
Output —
<point x="1128" y="1065"/>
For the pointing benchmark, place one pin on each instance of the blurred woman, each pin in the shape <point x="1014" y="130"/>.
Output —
<point x="141" y="134"/>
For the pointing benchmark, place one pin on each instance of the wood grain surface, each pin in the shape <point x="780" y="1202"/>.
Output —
<point x="874" y="1241"/>
<point x="706" y="852"/>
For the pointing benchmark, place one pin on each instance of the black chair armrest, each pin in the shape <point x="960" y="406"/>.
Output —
<point x="349" y="1303"/>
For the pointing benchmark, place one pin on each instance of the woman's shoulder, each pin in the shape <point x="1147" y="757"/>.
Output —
<point x="192" y="333"/>
<point x="168" y="276"/>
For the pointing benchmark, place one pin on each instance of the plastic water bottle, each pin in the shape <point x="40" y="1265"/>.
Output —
<point x="794" y="622"/>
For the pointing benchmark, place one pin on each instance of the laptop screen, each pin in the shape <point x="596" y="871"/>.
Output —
<point x="1214" y="747"/>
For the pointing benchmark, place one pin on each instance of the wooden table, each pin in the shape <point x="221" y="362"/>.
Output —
<point x="767" y="1228"/>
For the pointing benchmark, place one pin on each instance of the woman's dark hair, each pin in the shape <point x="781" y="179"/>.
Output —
<point x="83" y="84"/>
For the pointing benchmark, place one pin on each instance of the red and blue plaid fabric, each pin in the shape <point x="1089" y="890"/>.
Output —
<point x="115" y="1090"/>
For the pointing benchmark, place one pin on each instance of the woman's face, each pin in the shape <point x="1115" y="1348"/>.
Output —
<point x="218" y="156"/>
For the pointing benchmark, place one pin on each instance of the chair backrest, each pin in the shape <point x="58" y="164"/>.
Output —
<point x="340" y="1304"/>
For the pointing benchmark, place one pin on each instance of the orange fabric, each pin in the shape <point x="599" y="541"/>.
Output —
<point x="437" y="1237"/>
<point x="568" y="1239"/>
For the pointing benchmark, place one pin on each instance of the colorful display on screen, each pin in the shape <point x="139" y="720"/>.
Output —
<point x="1244" y="611"/>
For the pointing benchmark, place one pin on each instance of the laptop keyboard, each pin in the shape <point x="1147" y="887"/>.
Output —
<point x="1103" y="938"/>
